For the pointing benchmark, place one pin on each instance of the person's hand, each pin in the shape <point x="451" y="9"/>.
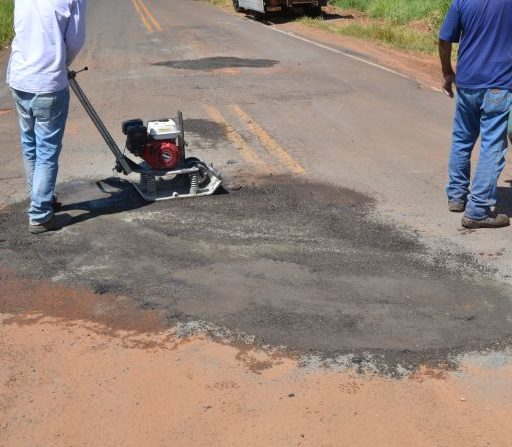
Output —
<point x="449" y="80"/>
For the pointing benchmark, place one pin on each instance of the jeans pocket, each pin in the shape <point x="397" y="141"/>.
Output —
<point x="497" y="101"/>
<point x="45" y="107"/>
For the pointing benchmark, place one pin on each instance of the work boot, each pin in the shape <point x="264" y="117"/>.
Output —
<point x="54" y="224"/>
<point x="456" y="207"/>
<point x="498" y="221"/>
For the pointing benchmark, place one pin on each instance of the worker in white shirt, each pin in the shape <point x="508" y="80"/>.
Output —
<point x="48" y="36"/>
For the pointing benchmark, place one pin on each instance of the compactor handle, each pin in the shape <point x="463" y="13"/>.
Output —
<point x="72" y="74"/>
<point x="122" y="164"/>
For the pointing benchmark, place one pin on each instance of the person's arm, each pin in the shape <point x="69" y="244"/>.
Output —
<point x="445" y="54"/>
<point x="450" y="32"/>
<point x="75" y="31"/>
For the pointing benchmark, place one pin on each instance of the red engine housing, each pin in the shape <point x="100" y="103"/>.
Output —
<point x="161" y="154"/>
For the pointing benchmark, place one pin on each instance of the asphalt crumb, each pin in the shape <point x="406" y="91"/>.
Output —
<point x="293" y="264"/>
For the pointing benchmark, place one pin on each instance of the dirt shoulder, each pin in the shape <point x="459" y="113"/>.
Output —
<point x="82" y="368"/>
<point x="89" y="377"/>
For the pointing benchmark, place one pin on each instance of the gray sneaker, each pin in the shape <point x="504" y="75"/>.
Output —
<point x="498" y="221"/>
<point x="54" y="224"/>
<point x="456" y="207"/>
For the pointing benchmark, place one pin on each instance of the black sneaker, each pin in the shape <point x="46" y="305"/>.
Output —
<point x="54" y="224"/>
<point x="498" y="221"/>
<point x="456" y="207"/>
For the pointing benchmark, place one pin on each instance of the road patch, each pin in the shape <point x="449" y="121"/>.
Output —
<point x="217" y="63"/>
<point x="294" y="264"/>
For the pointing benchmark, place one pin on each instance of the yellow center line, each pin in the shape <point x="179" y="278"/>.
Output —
<point x="142" y="17"/>
<point x="237" y="140"/>
<point x="268" y="142"/>
<point x="147" y="18"/>
<point x="150" y="16"/>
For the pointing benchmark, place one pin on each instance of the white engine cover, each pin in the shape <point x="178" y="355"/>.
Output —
<point x="163" y="129"/>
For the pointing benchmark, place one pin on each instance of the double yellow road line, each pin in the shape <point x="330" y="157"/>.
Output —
<point x="236" y="139"/>
<point x="272" y="147"/>
<point x="145" y="15"/>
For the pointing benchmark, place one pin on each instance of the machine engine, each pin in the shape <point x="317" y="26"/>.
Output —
<point x="155" y="143"/>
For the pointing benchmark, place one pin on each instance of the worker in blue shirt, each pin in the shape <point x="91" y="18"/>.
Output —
<point x="483" y="28"/>
<point x="48" y="36"/>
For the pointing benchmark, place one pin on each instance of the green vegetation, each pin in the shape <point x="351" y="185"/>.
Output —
<point x="399" y="11"/>
<point x="222" y="3"/>
<point x="397" y="36"/>
<point x="6" y="19"/>
<point x="405" y="24"/>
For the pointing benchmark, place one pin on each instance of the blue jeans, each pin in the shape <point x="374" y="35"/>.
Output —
<point x="42" y="119"/>
<point x="485" y="112"/>
<point x="510" y="127"/>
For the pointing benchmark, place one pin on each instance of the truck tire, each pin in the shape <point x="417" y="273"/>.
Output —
<point x="313" y="11"/>
<point x="259" y="16"/>
<point x="236" y="6"/>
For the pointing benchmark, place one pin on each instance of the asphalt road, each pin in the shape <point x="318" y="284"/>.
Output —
<point x="338" y="240"/>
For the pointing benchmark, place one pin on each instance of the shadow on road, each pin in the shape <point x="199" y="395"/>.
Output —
<point x="327" y="16"/>
<point x="109" y="196"/>
<point x="281" y="18"/>
<point x="86" y="200"/>
<point x="504" y="204"/>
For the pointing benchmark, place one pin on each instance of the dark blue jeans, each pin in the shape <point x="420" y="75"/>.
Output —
<point x="482" y="112"/>
<point x="42" y="120"/>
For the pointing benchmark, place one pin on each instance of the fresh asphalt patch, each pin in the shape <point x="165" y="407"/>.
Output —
<point x="216" y="63"/>
<point x="301" y="265"/>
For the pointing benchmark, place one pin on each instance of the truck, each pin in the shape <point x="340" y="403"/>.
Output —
<point x="260" y="8"/>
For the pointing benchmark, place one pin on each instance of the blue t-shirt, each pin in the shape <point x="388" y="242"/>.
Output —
<point x="484" y="30"/>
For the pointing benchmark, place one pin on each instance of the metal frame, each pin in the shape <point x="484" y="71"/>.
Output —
<point x="150" y="179"/>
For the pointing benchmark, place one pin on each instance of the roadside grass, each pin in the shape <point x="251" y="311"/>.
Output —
<point x="391" y="34"/>
<point x="6" y="22"/>
<point x="222" y="3"/>
<point x="411" y="25"/>
<point x="399" y="11"/>
<point x="405" y="24"/>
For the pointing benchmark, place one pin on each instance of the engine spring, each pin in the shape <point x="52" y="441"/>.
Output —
<point x="148" y="184"/>
<point x="194" y="183"/>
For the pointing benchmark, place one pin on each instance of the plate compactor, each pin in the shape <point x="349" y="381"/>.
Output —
<point x="166" y="172"/>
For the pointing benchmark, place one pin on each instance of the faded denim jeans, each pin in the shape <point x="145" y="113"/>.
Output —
<point x="42" y="119"/>
<point x="510" y="126"/>
<point x="478" y="112"/>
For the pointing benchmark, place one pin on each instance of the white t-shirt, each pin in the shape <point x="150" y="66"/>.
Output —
<point x="49" y="35"/>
